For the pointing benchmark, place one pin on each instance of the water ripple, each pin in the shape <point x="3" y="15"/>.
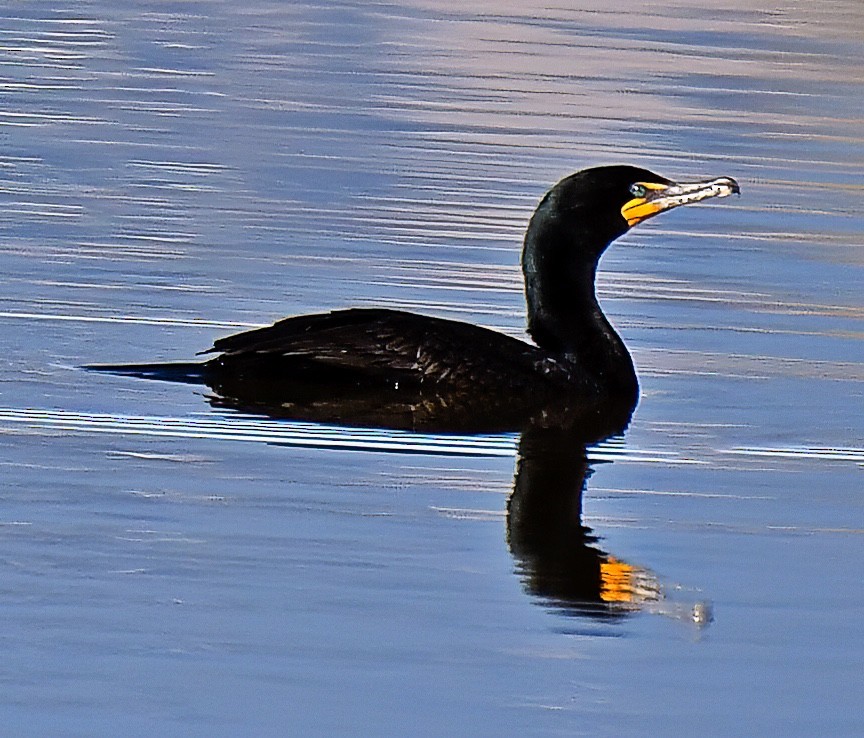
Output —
<point x="295" y="433"/>
<point x="260" y="431"/>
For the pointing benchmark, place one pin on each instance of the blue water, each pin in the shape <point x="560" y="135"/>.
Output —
<point x="173" y="172"/>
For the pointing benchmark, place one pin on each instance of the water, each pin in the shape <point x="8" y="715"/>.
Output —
<point x="175" y="171"/>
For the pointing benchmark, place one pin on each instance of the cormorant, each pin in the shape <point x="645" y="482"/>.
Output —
<point x="576" y="356"/>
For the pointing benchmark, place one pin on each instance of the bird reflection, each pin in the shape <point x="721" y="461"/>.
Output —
<point x="557" y="557"/>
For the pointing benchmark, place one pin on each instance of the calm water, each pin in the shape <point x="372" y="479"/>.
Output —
<point x="173" y="172"/>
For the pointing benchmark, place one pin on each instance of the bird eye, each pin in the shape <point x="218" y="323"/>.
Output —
<point x="638" y="190"/>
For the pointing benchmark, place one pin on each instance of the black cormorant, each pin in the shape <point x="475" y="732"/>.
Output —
<point x="576" y="354"/>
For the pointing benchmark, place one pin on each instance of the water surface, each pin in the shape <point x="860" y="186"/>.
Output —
<point x="175" y="171"/>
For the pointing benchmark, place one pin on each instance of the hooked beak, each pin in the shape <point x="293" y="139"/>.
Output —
<point x="660" y="197"/>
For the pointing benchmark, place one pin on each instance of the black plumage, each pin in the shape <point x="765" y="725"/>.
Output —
<point x="419" y="369"/>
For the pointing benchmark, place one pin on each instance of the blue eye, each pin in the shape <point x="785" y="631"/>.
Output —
<point x="638" y="190"/>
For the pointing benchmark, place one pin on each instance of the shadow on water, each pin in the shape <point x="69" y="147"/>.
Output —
<point x="556" y="555"/>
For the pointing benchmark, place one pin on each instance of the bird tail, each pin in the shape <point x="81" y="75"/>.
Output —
<point x="189" y="372"/>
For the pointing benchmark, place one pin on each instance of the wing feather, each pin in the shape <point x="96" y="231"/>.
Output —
<point x="384" y="342"/>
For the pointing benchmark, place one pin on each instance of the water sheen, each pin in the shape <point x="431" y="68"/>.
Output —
<point x="174" y="171"/>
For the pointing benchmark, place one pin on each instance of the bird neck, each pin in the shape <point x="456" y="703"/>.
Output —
<point x="564" y="317"/>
